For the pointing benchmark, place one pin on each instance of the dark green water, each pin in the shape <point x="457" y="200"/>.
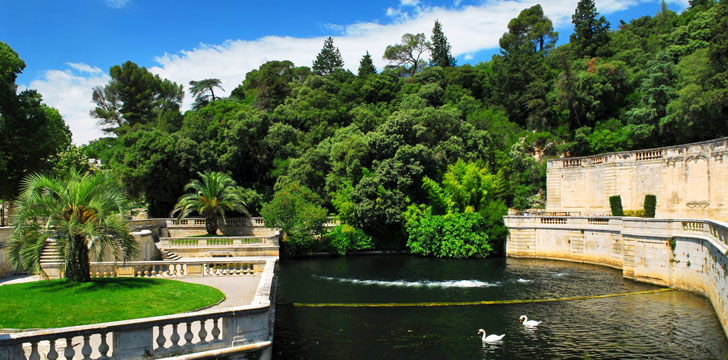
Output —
<point x="671" y="325"/>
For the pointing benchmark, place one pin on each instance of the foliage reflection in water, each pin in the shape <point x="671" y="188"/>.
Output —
<point x="671" y="325"/>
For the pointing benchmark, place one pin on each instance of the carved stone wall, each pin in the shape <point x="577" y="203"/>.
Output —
<point x="689" y="181"/>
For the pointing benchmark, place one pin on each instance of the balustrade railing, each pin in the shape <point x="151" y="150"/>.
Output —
<point x="553" y="221"/>
<point x="235" y="241"/>
<point x="152" y="337"/>
<point x="164" y="269"/>
<point x="597" y="221"/>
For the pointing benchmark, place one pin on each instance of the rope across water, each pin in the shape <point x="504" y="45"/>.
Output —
<point x="476" y="303"/>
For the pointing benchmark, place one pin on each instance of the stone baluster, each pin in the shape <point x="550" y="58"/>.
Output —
<point x="86" y="349"/>
<point x="203" y="333"/>
<point x="160" y="337"/>
<point x="188" y="333"/>
<point x="175" y="336"/>
<point x="34" y="354"/>
<point x="104" y="346"/>
<point x="69" y="352"/>
<point x="215" y="330"/>
<point x="52" y="353"/>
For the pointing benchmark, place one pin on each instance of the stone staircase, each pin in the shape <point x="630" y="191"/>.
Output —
<point x="50" y="253"/>
<point x="169" y="255"/>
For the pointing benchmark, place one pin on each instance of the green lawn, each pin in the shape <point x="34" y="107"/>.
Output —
<point x="58" y="303"/>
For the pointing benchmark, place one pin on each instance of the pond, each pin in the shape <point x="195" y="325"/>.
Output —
<point x="666" y="325"/>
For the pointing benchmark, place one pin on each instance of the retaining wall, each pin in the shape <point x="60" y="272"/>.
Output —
<point x="688" y="180"/>
<point x="685" y="254"/>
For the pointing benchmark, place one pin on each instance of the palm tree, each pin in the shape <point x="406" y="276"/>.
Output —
<point x="213" y="195"/>
<point x="199" y="88"/>
<point x="80" y="211"/>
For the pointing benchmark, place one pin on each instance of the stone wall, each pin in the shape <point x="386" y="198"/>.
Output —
<point x="688" y="180"/>
<point x="5" y="268"/>
<point x="685" y="254"/>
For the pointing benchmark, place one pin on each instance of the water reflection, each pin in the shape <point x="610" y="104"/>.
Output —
<point x="672" y="325"/>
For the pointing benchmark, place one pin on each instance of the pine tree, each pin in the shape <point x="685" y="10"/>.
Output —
<point x="366" y="66"/>
<point x="590" y="33"/>
<point x="328" y="59"/>
<point x="440" y="48"/>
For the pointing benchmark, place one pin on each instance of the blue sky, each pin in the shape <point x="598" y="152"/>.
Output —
<point x="68" y="46"/>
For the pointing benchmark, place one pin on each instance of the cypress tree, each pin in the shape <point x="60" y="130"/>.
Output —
<point x="440" y="48"/>
<point x="366" y="66"/>
<point x="590" y="33"/>
<point x="328" y="59"/>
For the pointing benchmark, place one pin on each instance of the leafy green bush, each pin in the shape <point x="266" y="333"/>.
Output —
<point x="635" y="213"/>
<point x="615" y="203"/>
<point x="456" y="235"/>
<point x="650" y="205"/>
<point x="299" y="213"/>
<point x="345" y="238"/>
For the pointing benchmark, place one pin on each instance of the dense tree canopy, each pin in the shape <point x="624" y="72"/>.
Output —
<point x="30" y="131"/>
<point x="418" y="151"/>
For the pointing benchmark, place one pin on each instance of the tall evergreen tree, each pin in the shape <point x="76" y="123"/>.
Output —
<point x="440" y="48"/>
<point x="590" y="33"/>
<point x="328" y="59"/>
<point x="366" y="66"/>
<point x="199" y="89"/>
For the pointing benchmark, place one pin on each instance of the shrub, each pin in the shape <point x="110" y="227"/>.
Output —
<point x="635" y="213"/>
<point x="345" y="238"/>
<point x="456" y="235"/>
<point x="615" y="202"/>
<point x="650" y="205"/>
<point x="299" y="213"/>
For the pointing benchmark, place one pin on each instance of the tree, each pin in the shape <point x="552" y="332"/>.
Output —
<point x="298" y="213"/>
<point x="80" y="211"/>
<point x="198" y="89"/>
<point x="133" y="97"/>
<point x="531" y="32"/>
<point x="520" y="76"/>
<point x="366" y="66"/>
<point x="440" y="48"/>
<point x="590" y="34"/>
<point x="270" y="84"/>
<point x="328" y="59"/>
<point x="213" y="195"/>
<point x="30" y="131"/>
<point x="408" y="52"/>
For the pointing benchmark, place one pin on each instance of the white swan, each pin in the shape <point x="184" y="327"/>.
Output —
<point x="490" y="338"/>
<point x="525" y="321"/>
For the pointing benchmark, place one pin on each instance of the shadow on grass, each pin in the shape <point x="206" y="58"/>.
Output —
<point x="93" y="285"/>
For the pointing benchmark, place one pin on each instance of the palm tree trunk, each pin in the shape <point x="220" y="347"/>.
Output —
<point x="211" y="225"/>
<point x="77" y="263"/>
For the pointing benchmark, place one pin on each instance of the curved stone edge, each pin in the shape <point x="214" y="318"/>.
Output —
<point x="641" y="248"/>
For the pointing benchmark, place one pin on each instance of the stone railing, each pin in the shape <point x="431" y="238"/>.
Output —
<point x="243" y="221"/>
<point x="223" y="331"/>
<point x="714" y="146"/>
<point x="163" y="269"/>
<point x="232" y="241"/>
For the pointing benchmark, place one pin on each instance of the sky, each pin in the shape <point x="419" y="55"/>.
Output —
<point x="69" y="46"/>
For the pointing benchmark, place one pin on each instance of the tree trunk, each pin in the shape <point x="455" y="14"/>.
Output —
<point x="211" y="225"/>
<point x="77" y="263"/>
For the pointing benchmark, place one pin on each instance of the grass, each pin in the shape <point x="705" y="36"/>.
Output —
<point x="60" y="303"/>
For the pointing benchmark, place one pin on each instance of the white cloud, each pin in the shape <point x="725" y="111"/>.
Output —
<point x="468" y="57"/>
<point x="409" y="2"/>
<point x="469" y="29"/>
<point x="117" y="4"/>
<point x="81" y="67"/>
<point x="70" y="93"/>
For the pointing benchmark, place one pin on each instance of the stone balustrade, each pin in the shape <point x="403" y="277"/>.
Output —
<point x="165" y="269"/>
<point x="244" y="328"/>
<point x="688" y="254"/>
<point x="232" y="241"/>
